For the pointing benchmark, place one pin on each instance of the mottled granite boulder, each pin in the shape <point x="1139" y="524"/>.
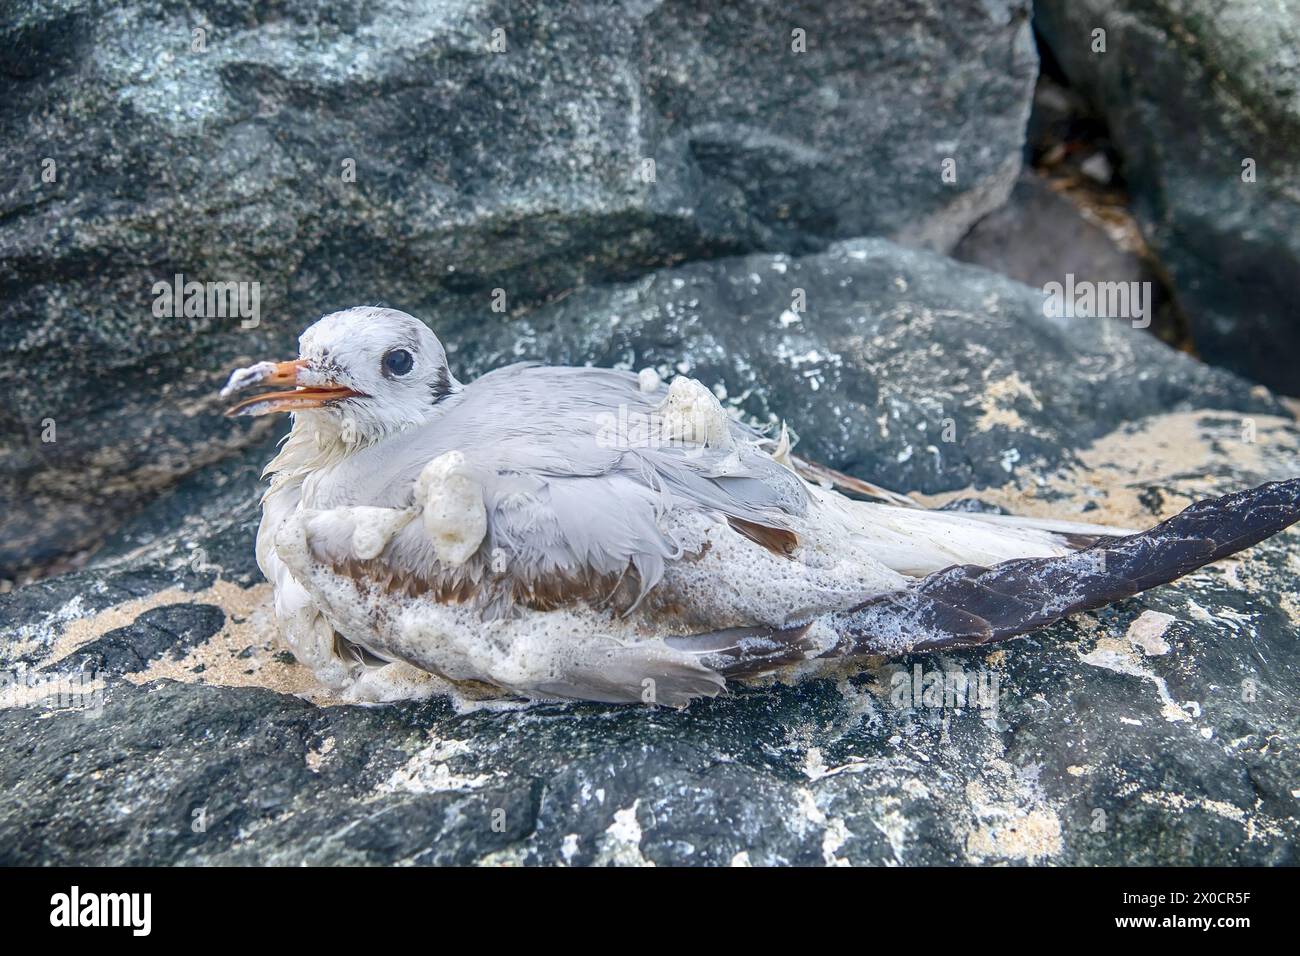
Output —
<point x="1203" y="103"/>
<point x="1162" y="730"/>
<point x="906" y="366"/>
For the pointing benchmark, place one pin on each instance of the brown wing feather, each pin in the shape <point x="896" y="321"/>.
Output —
<point x="780" y="541"/>
<point x="820" y="474"/>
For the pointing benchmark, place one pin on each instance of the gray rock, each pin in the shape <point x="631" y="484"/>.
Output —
<point x="1162" y="730"/>
<point x="1052" y="229"/>
<point x="921" y="372"/>
<point x="1191" y="91"/>
<point x="170" y="629"/>
<point x="210" y="140"/>
<point x="1068" y="216"/>
<point x="1039" y="236"/>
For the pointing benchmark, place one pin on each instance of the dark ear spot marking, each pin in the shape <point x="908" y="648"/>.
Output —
<point x="440" y="387"/>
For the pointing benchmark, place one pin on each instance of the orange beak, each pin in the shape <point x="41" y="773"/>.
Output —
<point x="280" y="373"/>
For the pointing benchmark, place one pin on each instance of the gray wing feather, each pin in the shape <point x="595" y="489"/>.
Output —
<point x="569" y="488"/>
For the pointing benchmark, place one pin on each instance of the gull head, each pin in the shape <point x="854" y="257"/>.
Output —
<point x="363" y="373"/>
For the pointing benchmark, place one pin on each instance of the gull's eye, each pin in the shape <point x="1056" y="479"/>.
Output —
<point x="397" y="362"/>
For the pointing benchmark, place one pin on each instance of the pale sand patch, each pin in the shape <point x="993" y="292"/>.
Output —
<point x="1165" y="450"/>
<point x="1255" y="828"/>
<point x="1147" y="632"/>
<point x="1115" y="655"/>
<point x="81" y="630"/>
<point x="996" y="402"/>
<point x="1030" y="837"/>
<point x="1290" y="607"/>
<point x="1010" y="830"/>
<point x="248" y="626"/>
<point x="995" y="415"/>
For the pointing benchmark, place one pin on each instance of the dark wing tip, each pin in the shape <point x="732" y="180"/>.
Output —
<point x="970" y="605"/>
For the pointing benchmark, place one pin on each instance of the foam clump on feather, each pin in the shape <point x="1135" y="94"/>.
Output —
<point x="374" y="527"/>
<point x="453" y="510"/>
<point x="691" y="414"/>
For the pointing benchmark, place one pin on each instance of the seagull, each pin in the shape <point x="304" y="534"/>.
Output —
<point x="585" y="533"/>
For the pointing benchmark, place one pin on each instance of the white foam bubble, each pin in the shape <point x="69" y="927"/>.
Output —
<point x="454" y="514"/>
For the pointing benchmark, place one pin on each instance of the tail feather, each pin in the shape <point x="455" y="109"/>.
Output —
<point x="968" y="605"/>
<point x="918" y="542"/>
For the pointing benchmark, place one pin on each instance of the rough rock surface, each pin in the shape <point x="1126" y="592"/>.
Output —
<point x="1055" y="226"/>
<point x="1192" y="89"/>
<point x="1162" y="730"/>
<point x="213" y="140"/>
<point x="1039" y="236"/>
<point x="922" y="372"/>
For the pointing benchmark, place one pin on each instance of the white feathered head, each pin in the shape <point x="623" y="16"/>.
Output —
<point x="363" y="372"/>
